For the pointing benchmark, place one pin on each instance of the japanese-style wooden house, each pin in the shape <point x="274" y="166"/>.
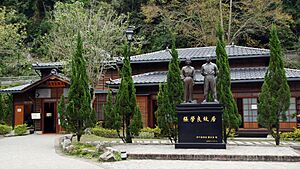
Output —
<point x="36" y="103"/>
<point x="248" y="67"/>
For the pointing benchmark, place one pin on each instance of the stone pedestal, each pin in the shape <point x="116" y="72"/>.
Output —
<point x="200" y="126"/>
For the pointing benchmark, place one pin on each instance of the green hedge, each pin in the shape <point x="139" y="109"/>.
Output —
<point x="21" y="129"/>
<point x="102" y="132"/>
<point x="146" y="135"/>
<point x="156" y="131"/>
<point x="295" y="135"/>
<point x="4" y="129"/>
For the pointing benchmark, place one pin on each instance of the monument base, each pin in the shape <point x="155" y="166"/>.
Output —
<point x="200" y="126"/>
<point x="200" y="145"/>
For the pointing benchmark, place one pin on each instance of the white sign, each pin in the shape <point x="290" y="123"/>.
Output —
<point x="254" y="106"/>
<point x="48" y="114"/>
<point x="19" y="110"/>
<point x="43" y="93"/>
<point x="35" y="116"/>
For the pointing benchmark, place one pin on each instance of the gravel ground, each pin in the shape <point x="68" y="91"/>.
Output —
<point x="231" y="150"/>
<point x="159" y="164"/>
<point x="36" y="152"/>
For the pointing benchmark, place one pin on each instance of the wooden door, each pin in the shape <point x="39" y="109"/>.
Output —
<point x="19" y="114"/>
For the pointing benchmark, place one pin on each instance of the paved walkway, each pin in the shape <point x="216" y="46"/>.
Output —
<point x="234" y="142"/>
<point x="36" y="152"/>
<point x="230" y="150"/>
<point x="176" y="164"/>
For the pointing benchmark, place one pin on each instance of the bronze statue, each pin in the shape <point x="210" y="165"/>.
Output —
<point x="210" y="71"/>
<point x="188" y="75"/>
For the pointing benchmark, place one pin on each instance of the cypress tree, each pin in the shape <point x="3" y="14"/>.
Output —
<point x="163" y="112"/>
<point x="79" y="114"/>
<point x="136" y="124"/>
<point x="170" y="95"/>
<point x="61" y="110"/>
<point x="108" y="111"/>
<point x="275" y="95"/>
<point x="6" y="108"/>
<point x="126" y="99"/>
<point x="1" y="109"/>
<point x="174" y="81"/>
<point x="231" y="117"/>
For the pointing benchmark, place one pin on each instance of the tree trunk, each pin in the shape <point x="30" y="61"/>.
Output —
<point x="128" y="135"/>
<point x="78" y="137"/>
<point x="229" y="24"/>
<point x="277" y="136"/>
<point x="224" y="134"/>
<point x="124" y="140"/>
<point x="221" y="15"/>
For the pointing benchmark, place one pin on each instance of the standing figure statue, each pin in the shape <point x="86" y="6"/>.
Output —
<point x="210" y="71"/>
<point x="188" y="75"/>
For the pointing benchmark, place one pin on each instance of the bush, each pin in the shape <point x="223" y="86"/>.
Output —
<point x="156" y="131"/>
<point x="80" y="150"/>
<point x="4" y="129"/>
<point x="21" y="129"/>
<point x="232" y="133"/>
<point x="295" y="135"/>
<point x="146" y="135"/>
<point x="102" y="132"/>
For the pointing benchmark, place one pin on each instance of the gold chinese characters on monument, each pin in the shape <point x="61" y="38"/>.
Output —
<point x="199" y="119"/>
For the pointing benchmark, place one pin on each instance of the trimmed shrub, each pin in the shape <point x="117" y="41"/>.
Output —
<point x="20" y="129"/>
<point x="4" y="129"/>
<point x="146" y="135"/>
<point x="156" y="131"/>
<point x="295" y="135"/>
<point x="102" y="132"/>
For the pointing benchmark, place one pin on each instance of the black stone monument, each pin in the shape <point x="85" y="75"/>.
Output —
<point x="200" y="126"/>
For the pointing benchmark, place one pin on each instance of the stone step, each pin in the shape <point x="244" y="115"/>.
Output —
<point x="203" y="157"/>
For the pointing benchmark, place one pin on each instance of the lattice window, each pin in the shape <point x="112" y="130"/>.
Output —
<point x="290" y="113"/>
<point x="250" y="109"/>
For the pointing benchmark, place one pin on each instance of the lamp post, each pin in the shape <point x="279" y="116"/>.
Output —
<point x="129" y="35"/>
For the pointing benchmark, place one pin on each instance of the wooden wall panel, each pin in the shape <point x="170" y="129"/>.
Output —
<point x="19" y="114"/>
<point x="142" y="101"/>
<point x="250" y="125"/>
<point x="287" y="125"/>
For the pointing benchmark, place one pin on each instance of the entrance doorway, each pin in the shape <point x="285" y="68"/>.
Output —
<point x="49" y="118"/>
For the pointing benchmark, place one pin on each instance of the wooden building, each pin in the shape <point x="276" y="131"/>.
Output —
<point x="36" y="103"/>
<point x="248" y="67"/>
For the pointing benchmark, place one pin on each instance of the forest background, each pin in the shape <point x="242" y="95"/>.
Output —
<point x="26" y="27"/>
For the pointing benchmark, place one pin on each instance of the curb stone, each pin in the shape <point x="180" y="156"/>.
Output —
<point x="204" y="157"/>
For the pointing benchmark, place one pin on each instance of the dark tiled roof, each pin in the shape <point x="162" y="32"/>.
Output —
<point x="201" y="53"/>
<point x="252" y="74"/>
<point x="22" y="88"/>
<point x="15" y="89"/>
<point x="48" y="65"/>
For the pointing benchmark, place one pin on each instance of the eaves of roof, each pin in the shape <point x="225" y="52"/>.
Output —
<point x="26" y="87"/>
<point x="238" y="75"/>
<point x="199" y="53"/>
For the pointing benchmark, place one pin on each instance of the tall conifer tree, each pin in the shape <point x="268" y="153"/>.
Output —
<point x="165" y="123"/>
<point x="274" y="99"/>
<point x="231" y="117"/>
<point x="108" y="111"/>
<point x="78" y="114"/>
<point x="170" y="95"/>
<point x="126" y="98"/>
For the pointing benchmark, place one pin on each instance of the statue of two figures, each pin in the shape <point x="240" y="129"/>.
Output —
<point x="209" y="70"/>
